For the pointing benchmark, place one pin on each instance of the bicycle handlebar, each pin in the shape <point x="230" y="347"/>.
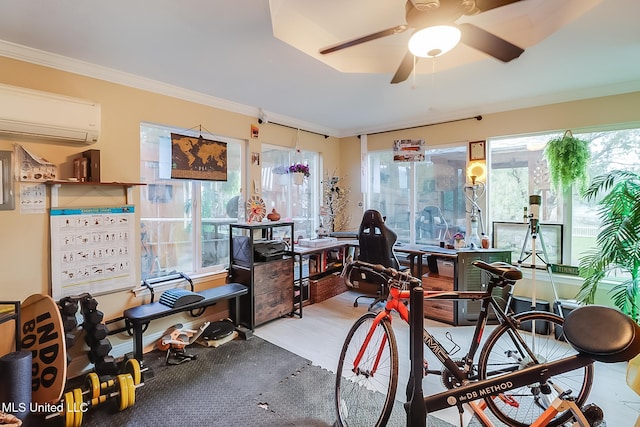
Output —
<point x="504" y="273"/>
<point x="387" y="273"/>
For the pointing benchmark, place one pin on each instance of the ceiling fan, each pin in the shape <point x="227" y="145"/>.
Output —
<point x="434" y="14"/>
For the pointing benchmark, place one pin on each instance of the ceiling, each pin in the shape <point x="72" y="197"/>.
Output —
<point x="224" y="53"/>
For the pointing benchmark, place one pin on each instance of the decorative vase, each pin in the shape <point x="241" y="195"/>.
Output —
<point x="298" y="178"/>
<point x="274" y="215"/>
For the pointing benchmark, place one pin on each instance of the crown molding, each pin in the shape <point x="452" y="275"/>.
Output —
<point x="64" y="63"/>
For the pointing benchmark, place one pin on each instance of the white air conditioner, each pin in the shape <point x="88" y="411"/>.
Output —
<point x="34" y="114"/>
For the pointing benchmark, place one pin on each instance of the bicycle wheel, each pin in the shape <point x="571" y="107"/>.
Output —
<point x="365" y="393"/>
<point x="501" y="354"/>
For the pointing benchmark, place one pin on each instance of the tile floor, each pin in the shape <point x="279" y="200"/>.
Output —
<point x="319" y="335"/>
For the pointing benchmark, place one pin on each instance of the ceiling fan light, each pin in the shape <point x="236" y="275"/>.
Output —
<point x="434" y="41"/>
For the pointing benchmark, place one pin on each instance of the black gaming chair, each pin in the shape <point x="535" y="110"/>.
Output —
<point x="376" y="242"/>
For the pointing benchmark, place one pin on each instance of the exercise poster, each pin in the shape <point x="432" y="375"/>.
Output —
<point x="92" y="250"/>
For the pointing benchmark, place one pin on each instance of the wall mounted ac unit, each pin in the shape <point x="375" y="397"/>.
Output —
<point x="34" y="114"/>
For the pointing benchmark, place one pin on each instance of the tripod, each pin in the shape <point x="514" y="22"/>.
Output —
<point x="533" y="232"/>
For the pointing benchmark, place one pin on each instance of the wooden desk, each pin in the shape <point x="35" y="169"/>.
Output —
<point x="414" y="254"/>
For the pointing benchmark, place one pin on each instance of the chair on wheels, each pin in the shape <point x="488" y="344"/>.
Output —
<point x="376" y="242"/>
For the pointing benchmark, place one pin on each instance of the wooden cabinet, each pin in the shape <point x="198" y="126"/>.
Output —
<point x="453" y="270"/>
<point x="273" y="290"/>
<point x="270" y="279"/>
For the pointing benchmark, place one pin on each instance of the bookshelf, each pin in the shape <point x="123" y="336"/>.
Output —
<point x="313" y="263"/>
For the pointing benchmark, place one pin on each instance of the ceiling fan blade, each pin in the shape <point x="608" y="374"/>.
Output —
<point x="404" y="70"/>
<point x="488" y="43"/>
<point x="484" y="5"/>
<point x="364" y="39"/>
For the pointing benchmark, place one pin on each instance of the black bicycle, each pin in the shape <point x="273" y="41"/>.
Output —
<point x="367" y="375"/>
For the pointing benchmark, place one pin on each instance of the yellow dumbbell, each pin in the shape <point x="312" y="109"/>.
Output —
<point x="73" y="408"/>
<point x="74" y="405"/>
<point x="121" y="394"/>
<point x="95" y="387"/>
<point x="132" y="366"/>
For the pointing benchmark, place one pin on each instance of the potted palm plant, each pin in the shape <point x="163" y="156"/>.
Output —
<point x="618" y="242"/>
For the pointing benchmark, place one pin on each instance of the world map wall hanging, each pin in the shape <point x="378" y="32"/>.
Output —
<point x="198" y="158"/>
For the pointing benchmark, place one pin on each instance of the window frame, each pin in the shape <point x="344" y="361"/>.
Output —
<point x="306" y="226"/>
<point x="461" y="150"/>
<point x="193" y="218"/>
<point x="567" y="197"/>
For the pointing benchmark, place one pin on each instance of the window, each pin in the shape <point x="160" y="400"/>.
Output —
<point x="424" y="202"/>
<point x="301" y="203"/>
<point x="184" y="223"/>
<point x="519" y="169"/>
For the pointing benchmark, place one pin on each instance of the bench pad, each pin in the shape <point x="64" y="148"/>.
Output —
<point x="156" y="310"/>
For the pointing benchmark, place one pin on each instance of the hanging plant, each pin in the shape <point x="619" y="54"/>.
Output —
<point x="300" y="168"/>
<point x="567" y="158"/>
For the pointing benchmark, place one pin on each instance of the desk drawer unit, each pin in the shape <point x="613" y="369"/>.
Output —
<point x="273" y="290"/>
<point x="441" y="310"/>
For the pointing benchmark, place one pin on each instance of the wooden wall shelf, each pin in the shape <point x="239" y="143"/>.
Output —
<point x="115" y="183"/>
<point x="55" y="186"/>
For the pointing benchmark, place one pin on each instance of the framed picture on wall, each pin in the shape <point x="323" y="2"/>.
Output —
<point x="477" y="150"/>
<point x="198" y="158"/>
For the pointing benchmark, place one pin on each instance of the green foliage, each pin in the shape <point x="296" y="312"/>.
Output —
<point x="567" y="158"/>
<point x="618" y="242"/>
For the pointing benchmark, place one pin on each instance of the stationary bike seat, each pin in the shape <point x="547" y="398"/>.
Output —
<point x="602" y="333"/>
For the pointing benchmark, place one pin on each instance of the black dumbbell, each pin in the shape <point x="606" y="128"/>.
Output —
<point x="70" y="338"/>
<point x="106" y="366"/>
<point x="95" y="334"/>
<point x="69" y="322"/>
<point x="93" y="340"/>
<point x="89" y="304"/>
<point x="68" y="306"/>
<point x="99" y="331"/>
<point x="101" y="348"/>
<point x="92" y="318"/>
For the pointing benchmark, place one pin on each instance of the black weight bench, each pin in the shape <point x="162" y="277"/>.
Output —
<point x="140" y="316"/>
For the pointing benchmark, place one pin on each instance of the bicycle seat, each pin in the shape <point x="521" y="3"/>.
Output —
<point x="501" y="269"/>
<point x="602" y="333"/>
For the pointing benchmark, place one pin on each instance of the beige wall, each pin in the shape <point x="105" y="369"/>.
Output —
<point x="24" y="245"/>
<point x="24" y="250"/>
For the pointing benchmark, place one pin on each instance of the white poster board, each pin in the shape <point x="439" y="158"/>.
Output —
<point x="92" y="250"/>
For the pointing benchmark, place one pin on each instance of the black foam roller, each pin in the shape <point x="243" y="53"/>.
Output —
<point x="15" y="382"/>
